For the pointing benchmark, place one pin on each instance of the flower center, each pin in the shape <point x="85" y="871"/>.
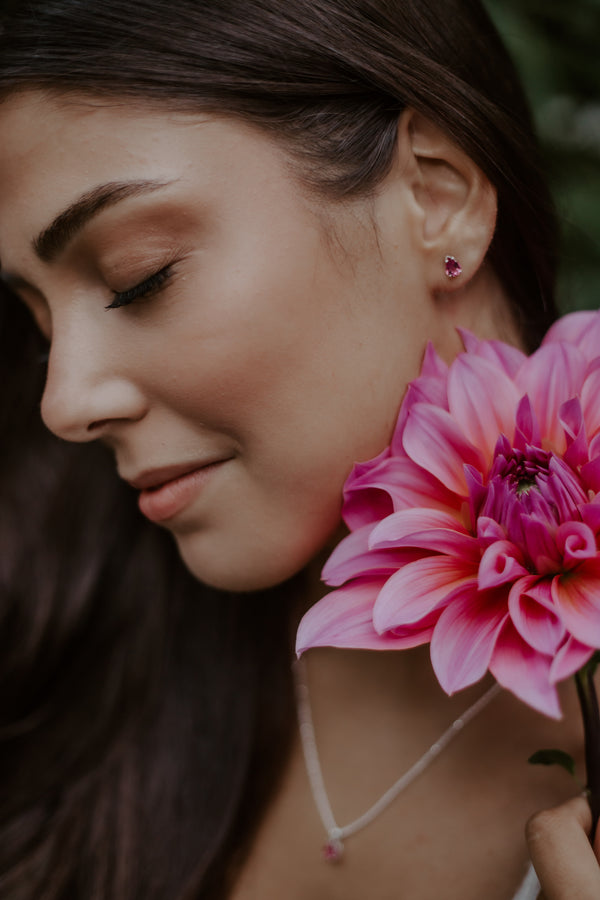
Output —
<point x="523" y="474"/>
<point x="524" y="485"/>
<point x="528" y="490"/>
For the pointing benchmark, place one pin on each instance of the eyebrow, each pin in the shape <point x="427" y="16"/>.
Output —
<point x="53" y="240"/>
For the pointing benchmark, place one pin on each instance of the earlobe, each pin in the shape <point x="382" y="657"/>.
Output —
<point x="456" y="202"/>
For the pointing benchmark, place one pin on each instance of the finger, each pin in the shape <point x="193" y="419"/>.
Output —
<point x="561" y="853"/>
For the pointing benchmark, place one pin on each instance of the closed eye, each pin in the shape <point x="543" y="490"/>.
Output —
<point x="144" y="289"/>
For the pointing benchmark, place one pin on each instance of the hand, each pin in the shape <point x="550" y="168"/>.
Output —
<point x="565" y="862"/>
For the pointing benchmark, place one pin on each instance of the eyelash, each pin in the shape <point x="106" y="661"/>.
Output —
<point x="149" y="286"/>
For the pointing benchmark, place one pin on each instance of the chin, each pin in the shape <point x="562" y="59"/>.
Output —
<point x="240" y="572"/>
<point x="269" y="560"/>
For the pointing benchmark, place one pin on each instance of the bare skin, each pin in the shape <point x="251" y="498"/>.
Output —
<point x="456" y="833"/>
<point x="565" y="861"/>
<point x="282" y="325"/>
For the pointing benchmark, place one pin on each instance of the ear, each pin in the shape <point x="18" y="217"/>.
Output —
<point x="456" y="205"/>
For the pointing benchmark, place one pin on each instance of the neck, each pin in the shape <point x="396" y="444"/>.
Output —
<point x="374" y="686"/>
<point x="371" y="683"/>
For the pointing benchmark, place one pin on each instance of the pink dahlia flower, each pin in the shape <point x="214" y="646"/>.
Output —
<point x="477" y="530"/>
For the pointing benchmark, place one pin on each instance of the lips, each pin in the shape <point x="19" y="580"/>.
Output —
<point x="167" y="491"/>
<point x="154" y="478"/>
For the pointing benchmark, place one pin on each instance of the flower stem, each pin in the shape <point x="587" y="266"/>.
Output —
<point x="588" y="699"/>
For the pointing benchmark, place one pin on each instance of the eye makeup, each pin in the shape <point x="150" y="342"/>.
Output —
<point x="145" y="288"/>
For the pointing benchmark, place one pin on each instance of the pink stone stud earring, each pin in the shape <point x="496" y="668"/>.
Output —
<point x="453" y="267"/>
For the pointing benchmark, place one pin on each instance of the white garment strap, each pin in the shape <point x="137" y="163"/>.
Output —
<point x="530" y="887"/>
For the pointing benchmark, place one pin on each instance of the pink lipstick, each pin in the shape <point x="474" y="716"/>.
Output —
<point x="165" y="493"/>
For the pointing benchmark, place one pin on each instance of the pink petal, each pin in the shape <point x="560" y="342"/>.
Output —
<point x="567" y="489"/>
<point x="470" y="341"/>
<point x="423" y="390"/>
<point x="541" y="545"/>
<point x="429" y="529"/>
<point x="429" y="387"/>
<point x="590" y="474"/>
<point x="344" y="618"/>
<point x="395" y="483"/>
<point x="524" y="672"/>
<point x="569" y="659"/>
<point x="589" y="341"/>
<point x="418" y="589"/>
<point x="506" y="356"/>
<point x="464" y="637"/>
<point x="577" y="598"/>
<point x="408" y="521"/>
<point x="571" y="328"/>
<point x="590" y="392"/>
<point x="353" y="559"/>
<point x="571" y="418"/>
<point x="488" y="531"/>
<point x="527" y="430"/>
<point x="502" y="562"/>
<point x="534" y="616"/>
<point x="576" y="541"/>
<point x="364" y="501"/>
<point x="551" y="376"/>
<point x="483" y="399"/>
<point x="434" y="441"/>
<point x="477" y="493"/>
<point x="430" y="390"/>
<point x="590" y="513"/>
<point x="433" y="364"/>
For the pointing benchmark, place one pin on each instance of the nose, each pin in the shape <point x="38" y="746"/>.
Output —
<point x="88" y="392"/>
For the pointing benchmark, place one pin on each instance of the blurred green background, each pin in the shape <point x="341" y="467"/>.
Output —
<point x="556" y="46"/>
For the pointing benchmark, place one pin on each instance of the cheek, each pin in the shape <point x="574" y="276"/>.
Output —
<point x="281" y="500"/>
<point x="244" y="341"/>
<point x="305" y="382"/>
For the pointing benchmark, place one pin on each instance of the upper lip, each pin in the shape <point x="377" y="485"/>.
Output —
<point x="153" y="478"/>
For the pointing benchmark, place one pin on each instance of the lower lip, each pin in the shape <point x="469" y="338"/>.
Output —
<point x="165" y="502"/>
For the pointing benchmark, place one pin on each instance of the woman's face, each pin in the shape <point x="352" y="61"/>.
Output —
<point x="263" y="340"/>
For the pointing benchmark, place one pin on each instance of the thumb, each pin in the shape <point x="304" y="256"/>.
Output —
<point x="561" y="852"/>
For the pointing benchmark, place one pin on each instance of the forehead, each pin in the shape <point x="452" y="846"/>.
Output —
<point x="52" y="137"/>
<point x="54" y="149"/>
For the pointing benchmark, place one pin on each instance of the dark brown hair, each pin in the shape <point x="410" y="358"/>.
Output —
<point x="145" y="718"/>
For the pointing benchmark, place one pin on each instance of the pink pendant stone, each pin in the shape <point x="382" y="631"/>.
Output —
<point x="453" y="267"/>
<point x="333" y="851"/>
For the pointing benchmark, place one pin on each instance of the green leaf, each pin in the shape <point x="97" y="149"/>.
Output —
<point x="553" y="758"/>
